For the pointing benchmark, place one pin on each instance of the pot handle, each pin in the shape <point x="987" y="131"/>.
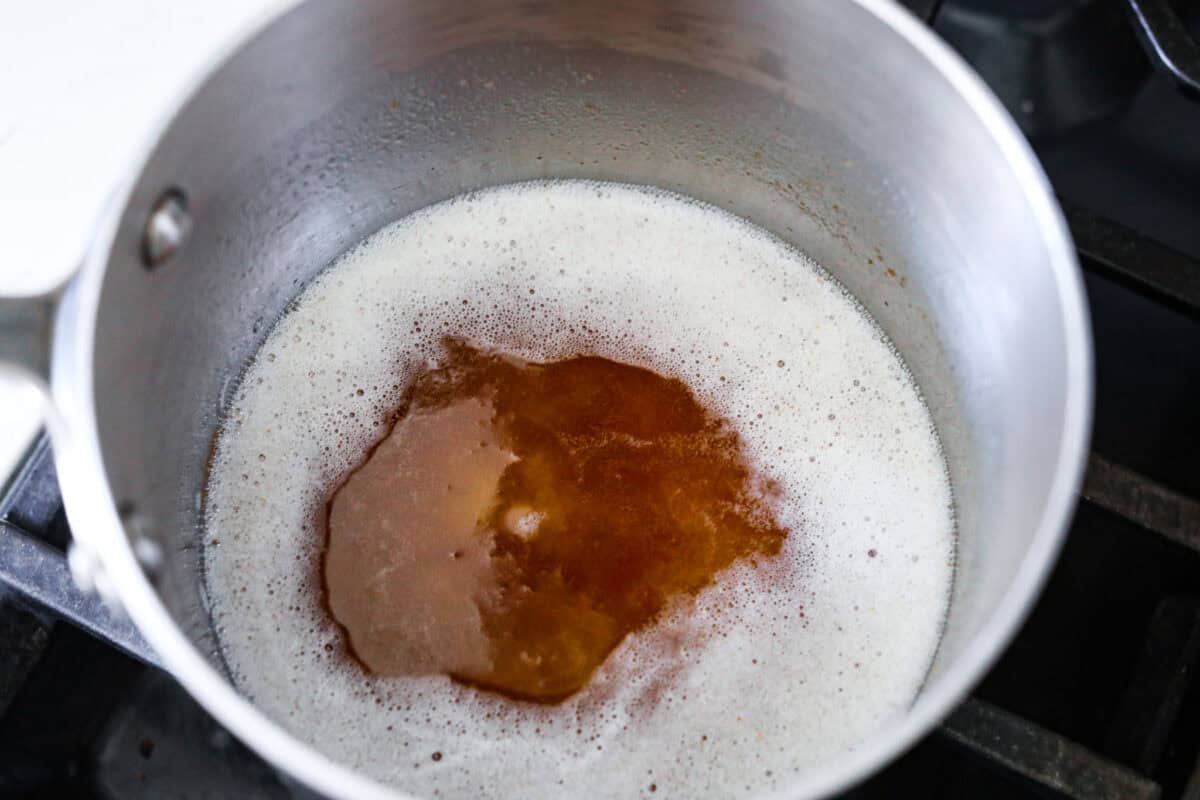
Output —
<point x="72" y="584"/>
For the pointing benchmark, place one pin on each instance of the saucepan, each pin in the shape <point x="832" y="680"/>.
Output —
<point x="845" y="128"/>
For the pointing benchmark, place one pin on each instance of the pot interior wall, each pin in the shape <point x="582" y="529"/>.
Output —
<point x="808" y="118"/>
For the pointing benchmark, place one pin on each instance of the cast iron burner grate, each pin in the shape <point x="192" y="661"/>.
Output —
<point x="1072" y="709"/>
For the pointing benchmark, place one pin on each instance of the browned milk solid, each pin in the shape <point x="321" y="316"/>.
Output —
<point x="762" y="679"/>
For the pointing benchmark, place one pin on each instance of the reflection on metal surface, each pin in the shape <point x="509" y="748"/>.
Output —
<point x="167" y="229"/>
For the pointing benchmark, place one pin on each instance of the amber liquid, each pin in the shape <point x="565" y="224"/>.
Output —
<point x="520" y="519"/>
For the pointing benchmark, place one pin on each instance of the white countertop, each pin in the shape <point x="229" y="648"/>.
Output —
<point x="83" y="87"/>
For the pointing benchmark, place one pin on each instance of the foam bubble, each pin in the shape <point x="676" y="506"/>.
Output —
<point x="758" y="680"/>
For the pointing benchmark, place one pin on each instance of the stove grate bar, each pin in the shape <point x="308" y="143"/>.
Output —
<point x="1143" y="501"/>
<point x="40" y="572"/>
<point x="1146" y="265"/>
<point x="1039" y="755"/>
<point x="1139" y="734"/>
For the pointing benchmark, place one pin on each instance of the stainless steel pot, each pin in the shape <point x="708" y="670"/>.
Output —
<point x="843" y="127"/>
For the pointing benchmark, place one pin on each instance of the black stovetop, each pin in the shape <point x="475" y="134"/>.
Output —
<point x="1096" y="696"/>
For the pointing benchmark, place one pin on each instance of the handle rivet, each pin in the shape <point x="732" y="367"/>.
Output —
<point x="167" y="228"/>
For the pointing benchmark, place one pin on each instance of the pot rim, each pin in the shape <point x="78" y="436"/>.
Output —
<point x="96" y="525"/>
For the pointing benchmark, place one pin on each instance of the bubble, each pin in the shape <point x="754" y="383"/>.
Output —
<point x="652" y="279"/>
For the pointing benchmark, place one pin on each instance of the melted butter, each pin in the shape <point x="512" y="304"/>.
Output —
<point x="521" y="519"/>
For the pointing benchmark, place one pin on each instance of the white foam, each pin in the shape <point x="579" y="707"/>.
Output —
<point x="775" y="676"/>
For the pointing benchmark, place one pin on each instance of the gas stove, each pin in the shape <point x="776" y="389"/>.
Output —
<point x="1096" y="698"/>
